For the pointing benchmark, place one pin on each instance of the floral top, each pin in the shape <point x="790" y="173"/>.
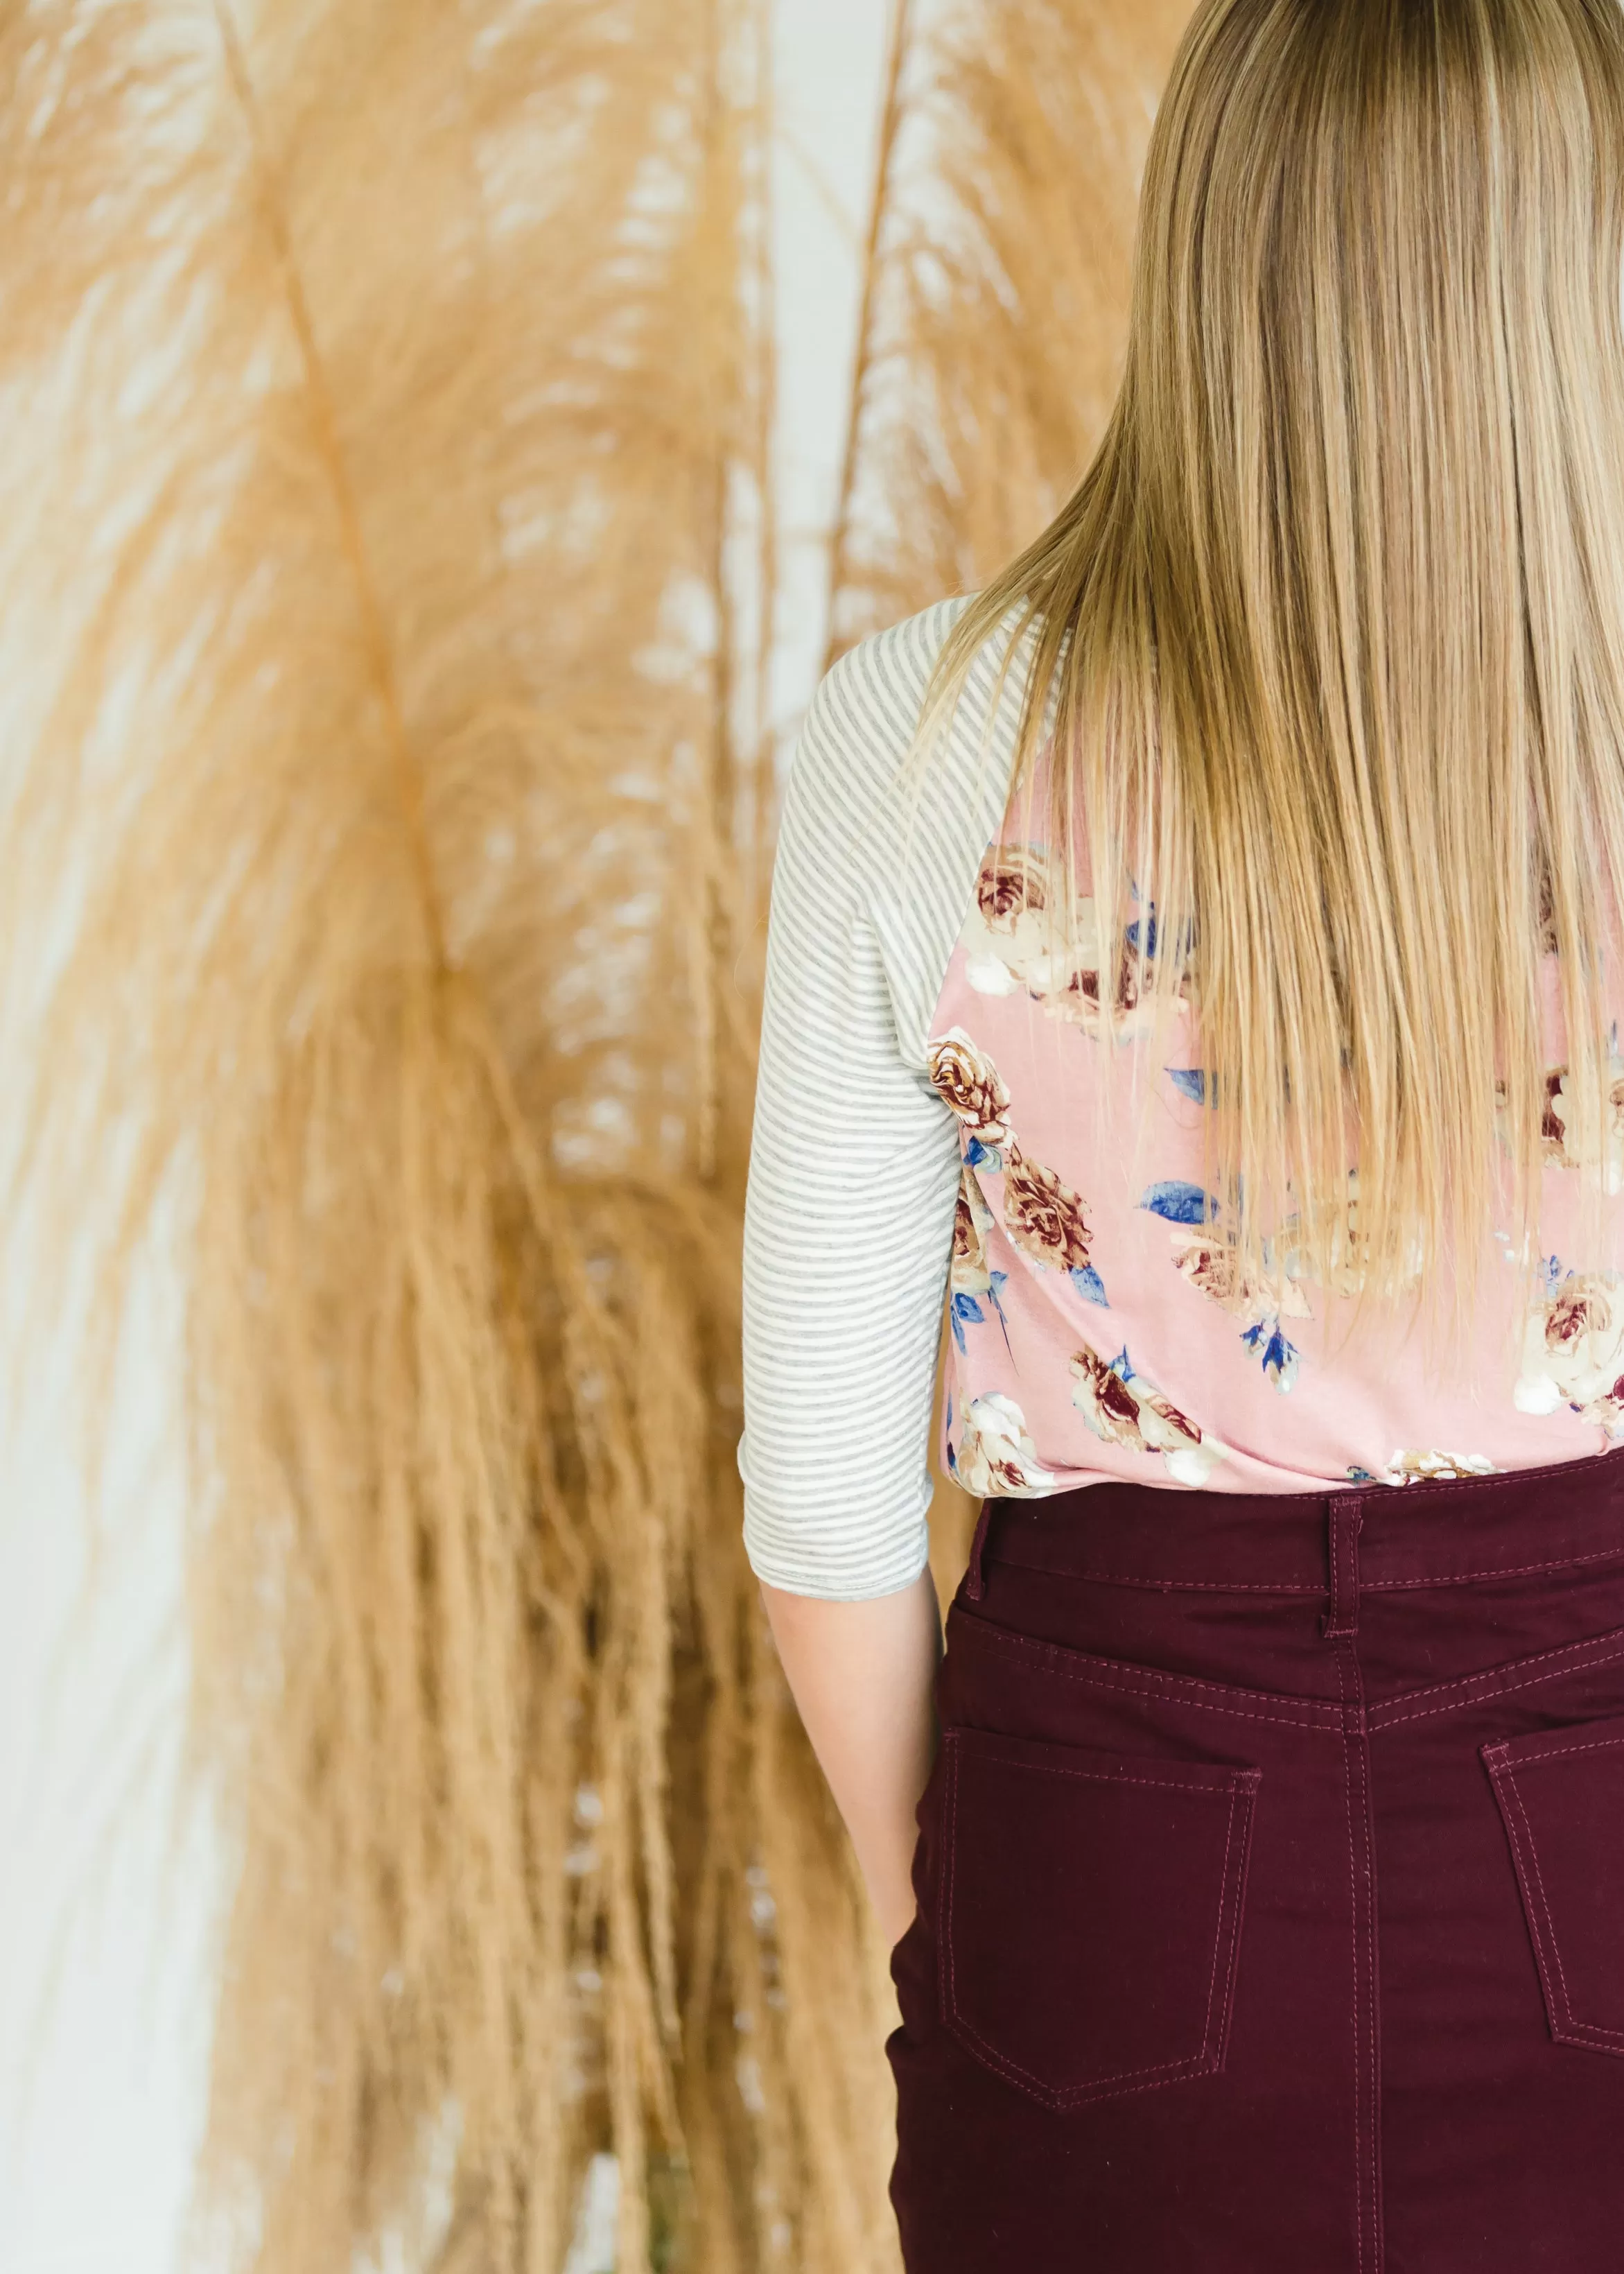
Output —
<point x="1100" y="1325"/>
<point x="942" y="1118"/>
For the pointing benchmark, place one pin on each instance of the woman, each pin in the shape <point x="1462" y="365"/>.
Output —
<point x="1193" y="958"/>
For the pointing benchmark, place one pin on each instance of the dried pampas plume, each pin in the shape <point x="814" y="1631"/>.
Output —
<point x="388" y="600"/>
<point x="998" y="312"/>
<point x="388" y="389"/>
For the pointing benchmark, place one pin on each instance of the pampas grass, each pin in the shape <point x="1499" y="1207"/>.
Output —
<point x="388" y="595"/>
<point x="999" y="310"/>
<point x="389" y="407"/>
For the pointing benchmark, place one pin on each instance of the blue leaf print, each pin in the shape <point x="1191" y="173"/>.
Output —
<point x="1123" y="1364"/>
<point x="1090" y="1286"/>
<point x="982" y="1156"/>
<point x="1279" y="1356"/>
<point x="1280" y="1361"/>
<point x="964" y="1307"/>
<point x="1191" y="1081"/>
<point x="1181" y="1203"/>
<point x="1142" y="936"/>
<point x="994" y="1294"/>
<point x="1358" y="1476"/>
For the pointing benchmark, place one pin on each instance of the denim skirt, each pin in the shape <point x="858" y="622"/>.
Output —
<point x="1271" y="1887"/>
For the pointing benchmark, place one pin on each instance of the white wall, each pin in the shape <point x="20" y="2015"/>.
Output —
<point x="104" y="1898"/>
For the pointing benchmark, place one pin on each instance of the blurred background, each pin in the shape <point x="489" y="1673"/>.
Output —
<point x="105" y="1984"/>
<point x="367" y="494"/>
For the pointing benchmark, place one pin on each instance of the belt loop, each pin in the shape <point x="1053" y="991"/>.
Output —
<point x="1343" y="1556"/>
<point x="972" y="1582"/>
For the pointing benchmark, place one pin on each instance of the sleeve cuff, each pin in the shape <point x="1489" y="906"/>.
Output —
<point x="890" y="1560"/>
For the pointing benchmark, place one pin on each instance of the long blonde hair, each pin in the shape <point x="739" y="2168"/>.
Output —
<point x="1329" y="643"/>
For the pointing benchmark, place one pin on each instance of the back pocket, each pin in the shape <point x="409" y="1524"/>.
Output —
<point x="1090" y="1913"/>
<point x="1561" y="1797"/>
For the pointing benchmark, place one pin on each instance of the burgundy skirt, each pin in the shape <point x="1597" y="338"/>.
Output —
<point x="1271" y="1887"/>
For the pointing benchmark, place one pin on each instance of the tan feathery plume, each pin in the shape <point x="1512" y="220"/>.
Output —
<point x="1000" y="301"/>
<point x="387" y="395"/>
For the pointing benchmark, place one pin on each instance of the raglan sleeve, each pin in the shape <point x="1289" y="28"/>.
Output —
<point x="853" y="1179"/>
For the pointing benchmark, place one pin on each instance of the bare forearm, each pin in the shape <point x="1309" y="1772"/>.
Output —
<point x="861" y="1674"/>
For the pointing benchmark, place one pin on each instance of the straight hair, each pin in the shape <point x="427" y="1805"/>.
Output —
<point x="1325" y="657"/>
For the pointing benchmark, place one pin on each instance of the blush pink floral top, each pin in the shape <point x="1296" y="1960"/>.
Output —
<point x="1099" y="1324"/>
<point x="942" y="1121"/>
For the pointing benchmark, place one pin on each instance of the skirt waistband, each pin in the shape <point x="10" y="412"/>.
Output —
<point x="1446" y="1533"/>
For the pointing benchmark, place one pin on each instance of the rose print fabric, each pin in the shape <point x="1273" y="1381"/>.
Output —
<point x="925" y="1136"/>
<point x="1101" y="1326"/>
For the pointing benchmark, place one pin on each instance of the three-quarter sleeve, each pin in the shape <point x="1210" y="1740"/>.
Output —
<point x="855" y="1160"/>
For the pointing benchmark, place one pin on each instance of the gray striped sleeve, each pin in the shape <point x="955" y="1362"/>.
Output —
<point x="854" y="1161"/>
